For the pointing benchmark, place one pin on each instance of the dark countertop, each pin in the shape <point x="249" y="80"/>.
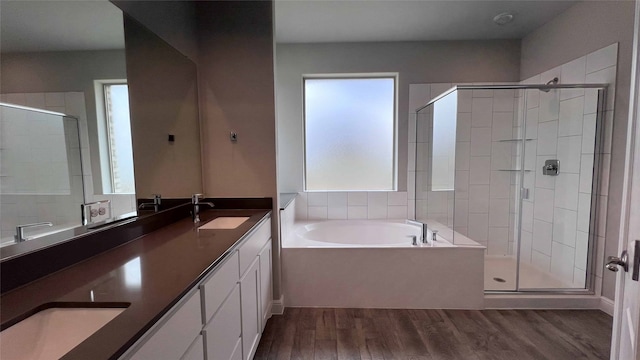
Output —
<point x="150" y="273"/>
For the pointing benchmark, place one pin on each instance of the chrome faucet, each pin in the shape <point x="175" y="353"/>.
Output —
<point x="423" y="227"/>
<point x="157" y="200"/>
<point x="19" y="237"/>
<point x="195" y="201"/>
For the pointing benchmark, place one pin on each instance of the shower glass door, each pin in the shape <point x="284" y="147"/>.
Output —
<point x="561" y="156"/>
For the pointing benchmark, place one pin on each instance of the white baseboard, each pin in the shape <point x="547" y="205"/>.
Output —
<point x="521" y="301"/>
<point x="606" y="305"/>
<point x="277" y="307"/>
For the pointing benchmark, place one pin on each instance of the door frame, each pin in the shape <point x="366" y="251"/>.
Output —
<point x="634" y="118"/>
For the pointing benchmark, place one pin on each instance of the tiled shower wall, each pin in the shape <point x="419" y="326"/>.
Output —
<point x="16" y="209"/>
<point x="561" y="124"/>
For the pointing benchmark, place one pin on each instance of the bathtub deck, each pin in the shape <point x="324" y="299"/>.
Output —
<point x="306" y="333"/>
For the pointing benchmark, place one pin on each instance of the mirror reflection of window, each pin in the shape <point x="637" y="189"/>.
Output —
<point x="116" y="153"/>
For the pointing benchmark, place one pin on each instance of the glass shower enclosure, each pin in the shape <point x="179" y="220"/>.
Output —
<point x="41" y="181"/>
<point x="515" y="168"/>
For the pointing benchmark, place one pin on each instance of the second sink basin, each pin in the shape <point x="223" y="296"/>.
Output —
<point x="226" y="222"/>
<point x="51" y="333"/>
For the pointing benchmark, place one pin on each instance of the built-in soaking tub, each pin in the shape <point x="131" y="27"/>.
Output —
<point x="373" y="264"/>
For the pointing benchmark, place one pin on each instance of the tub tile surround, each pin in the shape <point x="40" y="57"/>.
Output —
<point x="62" y="210"/>
<point x="353" y="277"/>
<point x="351" y="205"/>
<point x="555" y="221"/>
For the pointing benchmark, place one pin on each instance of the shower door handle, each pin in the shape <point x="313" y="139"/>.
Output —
<point x="613" y="262"/>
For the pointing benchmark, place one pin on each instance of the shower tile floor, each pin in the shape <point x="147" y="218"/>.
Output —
<point x="504" y="268"/>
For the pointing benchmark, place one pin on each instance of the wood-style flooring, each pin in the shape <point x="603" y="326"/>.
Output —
<point x="308" y="333"/>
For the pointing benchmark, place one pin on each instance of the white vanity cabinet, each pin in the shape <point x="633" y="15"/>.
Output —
<point x="196" y="350"/>
<point x="251" y="310"/>
<point x="251" y="289"/>
<point x="266" y="289"/>
<point x="224" y="316"/>
<point x="223" y="334"/>
<point x="172" y="339"/>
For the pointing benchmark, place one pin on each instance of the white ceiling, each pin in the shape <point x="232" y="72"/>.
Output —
<point x="53" y="25"/>
<point x="401" y="20"/>
<point x="27" y="26"/>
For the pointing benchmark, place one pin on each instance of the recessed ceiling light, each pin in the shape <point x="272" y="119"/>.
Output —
<point x="503" y="18"/>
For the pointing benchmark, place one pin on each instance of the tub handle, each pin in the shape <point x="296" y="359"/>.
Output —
<point x="414" y="240"/>
<point x="434" y="234"/>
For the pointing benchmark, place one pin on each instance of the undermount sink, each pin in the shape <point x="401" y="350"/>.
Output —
<point x="224" y="223"/>
<point x="51" y="333"/>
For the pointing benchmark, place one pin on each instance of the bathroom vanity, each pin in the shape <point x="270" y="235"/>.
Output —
<point x="186" y="292"/>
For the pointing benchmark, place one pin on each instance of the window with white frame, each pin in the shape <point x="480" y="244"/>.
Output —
<point x="116" y="155"/>
<point x="350" y="133"/>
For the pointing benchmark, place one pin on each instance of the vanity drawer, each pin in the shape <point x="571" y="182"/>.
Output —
<point x="252" y="246"/>
<point x="175" y="335"/>
<point x="196" y="351"/>
<point x="216" y="288"/>
<point x="222" y="333"/>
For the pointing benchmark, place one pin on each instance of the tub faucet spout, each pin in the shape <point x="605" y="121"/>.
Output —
<point x="423" y="229"/>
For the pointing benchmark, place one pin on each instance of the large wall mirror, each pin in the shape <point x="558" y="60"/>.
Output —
<point x="86" y="119"/>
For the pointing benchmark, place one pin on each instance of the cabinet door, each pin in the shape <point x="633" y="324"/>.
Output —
<point x="251" y="314"/>
<point x="265" y="283"/>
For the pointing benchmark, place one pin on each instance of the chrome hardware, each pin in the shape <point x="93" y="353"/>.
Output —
<point x="613" y="262"/>
<point x="157" y="200"/>
<point x="524" y="193"/>
<point x="551" y="167"/>
<point x="423" y="227"/>
<point x="195" y="201"/>
<point x="414" y="240"/>
<point x="434" y="234"/>
<point x="636" y="261"/>
<point x="19" y="237"/>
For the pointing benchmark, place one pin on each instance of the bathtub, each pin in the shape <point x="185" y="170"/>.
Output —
<point x="372" y="264"/>
<point x="358" y="234"/>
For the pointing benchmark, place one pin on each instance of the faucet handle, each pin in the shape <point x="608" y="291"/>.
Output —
<point x="157" y="198"/>
<point x="195" y="198"/>
<point x="19" y="237"/>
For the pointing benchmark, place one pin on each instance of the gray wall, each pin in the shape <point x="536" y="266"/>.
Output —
<point x="416" y="62"/>
<point x="65" y="71"/>
<point x="583" y="28"/>
<point x="236" y="88"/>
<point x="173" y="21"/>
<point x="163" y="99"/>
